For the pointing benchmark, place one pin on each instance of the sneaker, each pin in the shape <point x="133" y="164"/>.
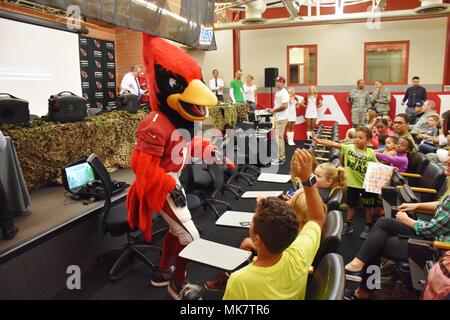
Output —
<point x="348" y="228"/>
<point x="184" y="291"/>
<point x="365" y="233"/>
<point x="218" y="284"/>
<point x="161" y="278"/>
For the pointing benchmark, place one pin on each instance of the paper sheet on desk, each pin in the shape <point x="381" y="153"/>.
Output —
<point x="236" y="219"/>
<point x="378" y="175"/>
<point x="265" y="194"/>
<point x="272" y="177"/>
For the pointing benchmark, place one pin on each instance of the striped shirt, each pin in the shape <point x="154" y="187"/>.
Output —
<point x="439" y="227"/>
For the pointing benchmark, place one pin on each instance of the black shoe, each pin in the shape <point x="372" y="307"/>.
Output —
<point x="161" y="278"/>
<point x="10" y="233"/>
<point x="365" y="233"/>
<point x="184" y="291"/>
<point x="348" y="228"/>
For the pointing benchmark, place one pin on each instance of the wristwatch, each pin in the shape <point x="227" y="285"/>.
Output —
<point x="310" y="182"/>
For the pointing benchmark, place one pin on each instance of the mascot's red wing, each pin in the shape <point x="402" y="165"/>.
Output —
<point x="148" y="192"/>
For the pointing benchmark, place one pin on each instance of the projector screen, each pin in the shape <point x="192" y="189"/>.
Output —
<point x="36" y="62"/>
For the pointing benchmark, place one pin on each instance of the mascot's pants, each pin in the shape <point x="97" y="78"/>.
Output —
<point x="182" y="231"/>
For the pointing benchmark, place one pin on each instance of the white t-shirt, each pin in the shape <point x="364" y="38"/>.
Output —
<point x="250" y="93"/>
<point x="281" y="97"/>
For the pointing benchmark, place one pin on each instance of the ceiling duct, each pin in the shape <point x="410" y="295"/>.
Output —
<point x="254" y="11"/>
<point x="431" y="6"/>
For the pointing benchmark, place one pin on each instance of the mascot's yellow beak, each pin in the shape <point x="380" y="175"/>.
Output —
<point x="191" y="104"/>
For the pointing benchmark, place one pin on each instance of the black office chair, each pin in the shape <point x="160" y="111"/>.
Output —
<point x="115" y="222"/>
<point x="334" y="199"/>
<point x="328" y="280"/>
<point x="213" y="178"/>
<point x="416" y="168"/>
<point x="331" y="236"/>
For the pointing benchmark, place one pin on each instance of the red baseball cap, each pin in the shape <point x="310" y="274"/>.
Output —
<point x="280" y="79"/>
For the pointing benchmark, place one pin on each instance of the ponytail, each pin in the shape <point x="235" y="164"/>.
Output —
<point x="341" y="180"/>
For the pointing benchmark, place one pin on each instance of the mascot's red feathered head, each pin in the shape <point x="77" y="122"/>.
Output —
<point x="175" y="82"/>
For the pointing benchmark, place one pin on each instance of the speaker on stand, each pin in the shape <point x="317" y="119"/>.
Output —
<point x="270" y="74"/>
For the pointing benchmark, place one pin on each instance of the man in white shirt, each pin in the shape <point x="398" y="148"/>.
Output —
<point x="280" y="112"/>
<point x="130" y="82"/>
<point x="216" y="85"/>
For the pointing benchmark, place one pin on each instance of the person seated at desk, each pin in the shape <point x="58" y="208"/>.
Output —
<point x="9" y="230"/>
<point x="280" y="271"/>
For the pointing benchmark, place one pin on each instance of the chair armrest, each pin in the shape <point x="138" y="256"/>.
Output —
<point x="410" y="175"/>
<point x="321" y="151"/>
<point x="421" y="190"/>
<point x="429" y="213"/>
<point x="441" y="245"/>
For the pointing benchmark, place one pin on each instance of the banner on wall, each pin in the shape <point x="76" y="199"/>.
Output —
<point x="336" y="108"/>
<point x="98" y="72"/>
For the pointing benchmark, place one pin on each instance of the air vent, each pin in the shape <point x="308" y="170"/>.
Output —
<point x="432" y="7"/>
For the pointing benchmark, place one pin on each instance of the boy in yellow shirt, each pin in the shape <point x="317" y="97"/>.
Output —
<point x="280" y="271"/>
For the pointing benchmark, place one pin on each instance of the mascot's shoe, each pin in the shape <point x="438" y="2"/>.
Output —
<point x="162" y="278"/>
<point x="184" y="291"/>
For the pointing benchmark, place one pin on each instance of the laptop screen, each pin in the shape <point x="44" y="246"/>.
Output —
<point x="79" y="175"/>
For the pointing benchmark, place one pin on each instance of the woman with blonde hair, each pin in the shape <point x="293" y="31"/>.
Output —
<point x="250" y="92"/>
<point x="292" y="116"/>
<point x="311" y="101"/>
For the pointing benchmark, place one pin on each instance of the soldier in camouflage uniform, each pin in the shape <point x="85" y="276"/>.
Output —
<point x="380" y="99"/>
<point x="359" y="98"/>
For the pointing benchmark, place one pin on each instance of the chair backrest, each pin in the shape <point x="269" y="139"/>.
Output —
<point x="328" y="280"/>
<point x="334" y="154"/>
<point x="334" y="199"/>
<point x="433" y="178"/>
<point x="103" y="175"/>
<point x="418" y="163"/>
<point x="331" y="235"/>
<point x="217" y="173"/>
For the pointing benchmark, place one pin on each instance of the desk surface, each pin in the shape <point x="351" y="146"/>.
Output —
<point x="51" y="210"/>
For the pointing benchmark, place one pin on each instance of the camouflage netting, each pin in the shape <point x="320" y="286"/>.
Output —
<point x="228" y="115"/>
<point x="44" y="148"/>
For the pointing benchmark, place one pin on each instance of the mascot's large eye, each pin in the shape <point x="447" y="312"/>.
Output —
<point x="173" y="83"/>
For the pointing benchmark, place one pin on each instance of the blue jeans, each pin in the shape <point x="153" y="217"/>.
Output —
<point x="427" y="148"/>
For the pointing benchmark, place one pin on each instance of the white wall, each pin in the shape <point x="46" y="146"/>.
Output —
<point x="340" y="49"/>
<point x="221" y="59"/>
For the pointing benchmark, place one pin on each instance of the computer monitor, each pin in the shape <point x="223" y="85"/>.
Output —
<point x="77" y="175"/>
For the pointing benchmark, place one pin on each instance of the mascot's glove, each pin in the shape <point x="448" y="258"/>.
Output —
<point x="210" y="153"/>
<point x="178" y="197"/>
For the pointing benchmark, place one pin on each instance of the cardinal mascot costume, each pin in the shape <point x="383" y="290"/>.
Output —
<point x="178" y="99"/>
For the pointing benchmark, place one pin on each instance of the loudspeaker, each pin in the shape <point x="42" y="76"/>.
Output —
<point x="13" y="110"/>
<point x="270" y="74"/>
<point x="128" y="102"/>
<point x="66" y="107"/>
